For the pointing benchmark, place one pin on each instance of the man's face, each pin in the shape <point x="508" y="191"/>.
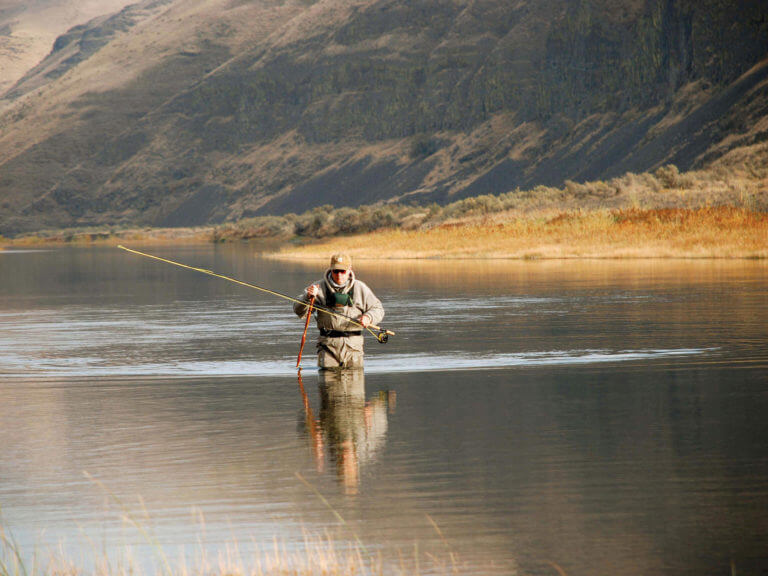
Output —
<point x="340" y="276"/>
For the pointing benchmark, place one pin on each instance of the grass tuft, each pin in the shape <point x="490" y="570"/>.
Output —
<point x="315" y="555"/>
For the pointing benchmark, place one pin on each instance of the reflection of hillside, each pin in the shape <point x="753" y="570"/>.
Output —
<point x="351" y="428"/>
<point x="174" y="444"/>
<point x="491" y="277"/>
<point x="602" y="470"/>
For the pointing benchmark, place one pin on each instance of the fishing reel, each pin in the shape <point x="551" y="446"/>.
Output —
<point x="382" y="336"/>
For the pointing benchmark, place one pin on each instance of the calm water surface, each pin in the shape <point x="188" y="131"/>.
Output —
<point x="592" y="417"/>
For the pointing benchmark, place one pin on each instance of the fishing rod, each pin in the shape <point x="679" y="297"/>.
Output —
<point x="381" y="334"/>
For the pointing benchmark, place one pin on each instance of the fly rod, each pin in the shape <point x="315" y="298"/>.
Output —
<point x="381" y="334"/>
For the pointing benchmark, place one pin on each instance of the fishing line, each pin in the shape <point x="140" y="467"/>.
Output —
<point x="380" y="333"/>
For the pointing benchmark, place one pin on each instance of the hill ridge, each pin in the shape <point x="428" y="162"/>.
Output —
<point x="206" y="113"/>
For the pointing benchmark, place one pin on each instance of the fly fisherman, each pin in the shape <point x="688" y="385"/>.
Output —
<point x="341" y="342"/>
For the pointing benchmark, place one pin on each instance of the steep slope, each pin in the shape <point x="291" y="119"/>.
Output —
<point x="28" y="29"/>
<point x="181" y="112"/>
<point x="62" y="141"/>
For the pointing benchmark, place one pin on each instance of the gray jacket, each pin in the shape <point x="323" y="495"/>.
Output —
<point x="364" y="301"/>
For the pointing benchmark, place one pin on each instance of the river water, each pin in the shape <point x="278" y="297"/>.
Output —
<point x="554" y="417"/>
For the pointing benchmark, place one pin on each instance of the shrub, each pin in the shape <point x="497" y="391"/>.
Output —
<point x="423" y="146"/>
<point x="669" y="176"/>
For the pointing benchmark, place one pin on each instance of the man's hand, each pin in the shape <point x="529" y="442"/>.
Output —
<point x="312" y="290"/>
<point x="365" y="320"/>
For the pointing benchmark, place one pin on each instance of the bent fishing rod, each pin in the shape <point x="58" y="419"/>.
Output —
<point x="381" y="334"/>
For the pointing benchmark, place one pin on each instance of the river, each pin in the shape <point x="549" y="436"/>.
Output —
<point x="545" y="417"/>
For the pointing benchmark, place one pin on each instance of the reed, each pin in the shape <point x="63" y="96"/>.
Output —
<point x="316" y="555"/>
<point x="338" y="553"/>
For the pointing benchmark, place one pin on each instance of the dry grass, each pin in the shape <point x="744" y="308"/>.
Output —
<point x="704" y="232"/>
<point x="709" y="232"/>
<point x="99" y="236"/>
<point x="317" y="555"/>
<point x="716" y="213"/>
<point x="333" y="553"/>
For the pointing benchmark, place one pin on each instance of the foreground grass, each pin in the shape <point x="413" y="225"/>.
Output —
<point x="318" y="556"/>
<point x="315" y="556"/>
<point x="339" y="552"/>
<point x="714" y="232"/>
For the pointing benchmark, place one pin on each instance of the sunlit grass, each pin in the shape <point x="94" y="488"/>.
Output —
<point x="315" y="555"/>
<point x="709" y="232"/>
<point x="714" y="213"/>
<point x="633" y="232"/>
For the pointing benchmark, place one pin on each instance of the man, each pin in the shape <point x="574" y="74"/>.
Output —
<point x="341" y="342"/>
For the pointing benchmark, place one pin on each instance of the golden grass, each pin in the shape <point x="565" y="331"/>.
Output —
<point x="716" y="213"/>
<point x="708" y="232"/>
<point x="702" y="232"/>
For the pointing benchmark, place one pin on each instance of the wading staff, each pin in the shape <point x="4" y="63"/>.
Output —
<point x="381" y="334"/>
<point x="304" y="335"/>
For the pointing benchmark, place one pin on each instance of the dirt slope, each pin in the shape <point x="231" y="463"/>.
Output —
<point x="184" y="112"/>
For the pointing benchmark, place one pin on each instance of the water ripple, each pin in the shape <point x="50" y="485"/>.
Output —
<point x="18" y="366"/>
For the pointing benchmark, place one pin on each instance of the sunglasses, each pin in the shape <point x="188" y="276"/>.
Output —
<point x="339" y="271"/>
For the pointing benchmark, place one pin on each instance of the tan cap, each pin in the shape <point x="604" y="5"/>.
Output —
<point x="341" y="262"/>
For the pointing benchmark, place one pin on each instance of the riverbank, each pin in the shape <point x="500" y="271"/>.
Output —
<point x="110" y="235"/>
<point x="707" y="232"/>
<point x="718" y="232"/>
<point x="717" y="213"/>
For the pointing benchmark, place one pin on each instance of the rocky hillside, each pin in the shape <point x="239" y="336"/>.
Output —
<point x="182" y="112"/>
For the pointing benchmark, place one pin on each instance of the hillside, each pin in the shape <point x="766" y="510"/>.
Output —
<point x="181" y="112"/>
<point x="28" y="30"/>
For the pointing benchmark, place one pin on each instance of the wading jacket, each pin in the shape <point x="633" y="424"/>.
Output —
<point x="337" y="332"/>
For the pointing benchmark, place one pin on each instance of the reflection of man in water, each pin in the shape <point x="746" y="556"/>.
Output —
<point x="341" y="342"/>
<point x="352" y="428"/>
